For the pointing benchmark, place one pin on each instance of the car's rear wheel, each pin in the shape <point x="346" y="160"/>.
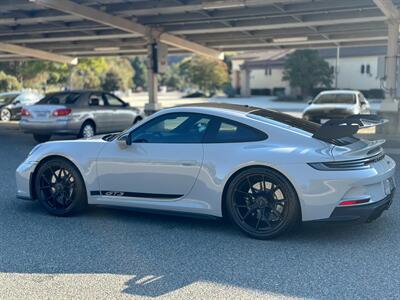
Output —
<point x="60" y="188"/>
<point x="262" y="203"/>
<point x="88" y="130"/>
<point x="5" y="115"/>
<point x="41" y="138"/>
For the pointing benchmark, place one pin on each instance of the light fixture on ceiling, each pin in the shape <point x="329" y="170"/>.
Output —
<point x="106" y="49"/>
<point x="291" y="39"/>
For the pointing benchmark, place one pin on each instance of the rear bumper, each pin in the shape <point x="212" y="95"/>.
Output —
<point x="54" y="127"/>
<point x="361" y="213"/>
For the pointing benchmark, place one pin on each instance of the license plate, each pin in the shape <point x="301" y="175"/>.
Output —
<point x="324" y="121"/>
<point x="41" y="114"/>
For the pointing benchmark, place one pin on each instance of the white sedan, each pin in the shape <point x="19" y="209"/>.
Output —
<point x="265" y="170"/>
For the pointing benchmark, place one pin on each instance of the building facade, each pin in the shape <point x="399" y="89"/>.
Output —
<point x="262" y="73"/>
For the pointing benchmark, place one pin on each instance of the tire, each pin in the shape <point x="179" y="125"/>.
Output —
<point x="262" y="203"/>
<point x="41" y="138"/>
<point x="88" y="130"/>
<point x="60" y="188"/>
<point x="5" y="115"/>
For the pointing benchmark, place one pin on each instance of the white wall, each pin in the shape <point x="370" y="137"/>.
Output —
<point x="350" y="73"/>
<point x="259" y="80"/>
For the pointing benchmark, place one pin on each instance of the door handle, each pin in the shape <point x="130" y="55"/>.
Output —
<point x="188" y="163"/>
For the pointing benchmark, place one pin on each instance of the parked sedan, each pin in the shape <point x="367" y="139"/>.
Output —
<point x="81" y="113"/>
<point x="11" y="104"/>
<point x="264" y="170"/>
<point x="336" y="105"/>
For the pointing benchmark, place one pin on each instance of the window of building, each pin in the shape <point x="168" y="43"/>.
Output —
<point x="362" y="69"/>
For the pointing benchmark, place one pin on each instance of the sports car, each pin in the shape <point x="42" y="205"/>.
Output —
<point x="264" y="170"/>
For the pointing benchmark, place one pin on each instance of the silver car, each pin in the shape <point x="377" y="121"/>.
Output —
<point x="80" y="113"/>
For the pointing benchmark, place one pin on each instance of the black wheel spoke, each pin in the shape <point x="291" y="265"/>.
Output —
<point x="256" y="203"/>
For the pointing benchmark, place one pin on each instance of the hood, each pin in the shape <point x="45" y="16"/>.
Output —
<point x="329" y="107"/>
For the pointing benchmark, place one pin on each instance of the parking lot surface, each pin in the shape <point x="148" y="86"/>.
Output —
<point x="109" y="253"/>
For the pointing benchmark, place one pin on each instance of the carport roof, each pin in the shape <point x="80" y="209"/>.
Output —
<point x="231" y="25"/>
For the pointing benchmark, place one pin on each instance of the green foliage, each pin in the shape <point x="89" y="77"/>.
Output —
<point x="207" y="74"/>
<point x="8" y="83"/>
<point x="172" y="78"/>
<point x="112" y="82"/>
<point x="140" y="69"/>
<point x="306" y="70"/>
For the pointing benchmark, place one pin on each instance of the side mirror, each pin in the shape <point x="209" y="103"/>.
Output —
<point x="94" y="102"/>
<point x="126" y="104"/>
<point x="17" y="102"/>
<point x="309" y="102"/>
<point x="124" y="141"/>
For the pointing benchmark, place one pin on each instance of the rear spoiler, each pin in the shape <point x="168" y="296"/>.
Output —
<point x="340" y="128"/>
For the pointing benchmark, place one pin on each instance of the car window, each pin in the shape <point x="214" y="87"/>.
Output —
<point x="362" y="99"/>
<point x="335" y="99"/>
<point x="113" y="101"/>
<point x="173" y="128"/>
<point x="96" y="100"/>
<point x="7" y="98"/>
<point x="60" y="98"/>
<point x="226" y="131"/>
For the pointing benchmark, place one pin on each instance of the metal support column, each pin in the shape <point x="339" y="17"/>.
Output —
<point x="337" y="67"/>
<point x="245" y="90"/>
<point x="152" y="84"/>
<point x="391" y="60"/>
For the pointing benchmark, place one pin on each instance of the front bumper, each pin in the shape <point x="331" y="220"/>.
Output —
<point x="23" y="178"/>
<point x="362" y="213"/>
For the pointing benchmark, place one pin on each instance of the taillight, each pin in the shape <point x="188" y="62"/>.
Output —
<point x="62" y="112"/>
<point x="354" y="202"/>
<point x="25" y="113"/>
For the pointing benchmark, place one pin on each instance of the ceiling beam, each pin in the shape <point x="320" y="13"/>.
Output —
<point x="126" y="25"/>
<point x="29" y="52"/>
<point x="388" y="8"/>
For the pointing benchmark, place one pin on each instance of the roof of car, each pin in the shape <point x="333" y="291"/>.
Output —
<point x="227" y="106"/>
<point x="340" y="92"/>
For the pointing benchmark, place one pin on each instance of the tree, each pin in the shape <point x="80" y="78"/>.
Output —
<point x="206" y="73"/>
<point x="8" y="83"/>
<point x="112" y="82"/>
<point x="307" y="70"/>
<point x="140" y="69"/>
<point x="171" y="78"/>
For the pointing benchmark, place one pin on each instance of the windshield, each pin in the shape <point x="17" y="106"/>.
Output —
<point x="335" y="99"/>
<point x="60" y="98"/>
<point x="7" y="98"/>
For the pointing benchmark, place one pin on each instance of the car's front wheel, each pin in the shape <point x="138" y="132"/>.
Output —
<point x="5" y="115"/>
<point x="262" y="203"/>
<point x="60" y="188"/>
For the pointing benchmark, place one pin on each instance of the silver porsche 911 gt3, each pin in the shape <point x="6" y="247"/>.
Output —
<point x="265" y="170"/>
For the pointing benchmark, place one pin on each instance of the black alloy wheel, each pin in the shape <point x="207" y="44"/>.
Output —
<point x="60" y="187"/>
<point x="262" y="203"/>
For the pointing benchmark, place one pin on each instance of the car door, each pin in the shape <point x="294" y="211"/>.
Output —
<point x="122" y="116"/>
<point x="162" y="162"/>
<point x="101" y="114"/>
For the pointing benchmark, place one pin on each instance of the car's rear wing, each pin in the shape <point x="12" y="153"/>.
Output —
<point x="340" y="128"/>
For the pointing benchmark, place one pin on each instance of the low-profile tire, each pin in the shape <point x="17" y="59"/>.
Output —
<point x="5" y="115"/>
<point x="262" y="203"/>
<point x="88" y="130"/>
<point x="60" y="188"/>
<point x="41" y="138"/>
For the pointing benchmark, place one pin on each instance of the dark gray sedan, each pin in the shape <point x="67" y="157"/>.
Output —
<point x="80" y="113"/>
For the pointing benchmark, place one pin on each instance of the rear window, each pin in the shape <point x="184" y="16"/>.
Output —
<point x="304" y="125"/>
<point x="60" y="98"/>
<point x="335" y="99"/>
